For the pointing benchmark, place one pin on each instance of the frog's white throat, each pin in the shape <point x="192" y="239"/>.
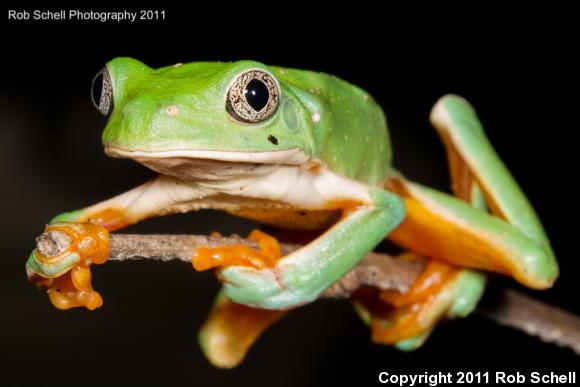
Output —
<point x="194" y="165"/>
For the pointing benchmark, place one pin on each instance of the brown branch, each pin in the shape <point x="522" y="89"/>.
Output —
<point x="536" y="318"/>
<point x="547" y="322"/>
<point x="376" y="270"/>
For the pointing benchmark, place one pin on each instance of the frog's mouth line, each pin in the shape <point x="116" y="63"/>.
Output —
<point x="293" y="156"/>
<point x="196" y="165"/>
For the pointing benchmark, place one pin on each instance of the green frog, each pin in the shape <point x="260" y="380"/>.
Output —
<point x="299" y="150"/>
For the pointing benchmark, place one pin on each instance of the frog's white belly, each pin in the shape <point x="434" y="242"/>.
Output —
<point x="298" y="196"/>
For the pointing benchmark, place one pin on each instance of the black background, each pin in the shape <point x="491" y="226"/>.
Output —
<point x="515" y="68"/>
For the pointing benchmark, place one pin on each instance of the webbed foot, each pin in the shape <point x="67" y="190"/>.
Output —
<point x="407" y="319"/>
<point x="61" y="263"/>
<point x="212" y="257"/>
<point x="231" y="329"/>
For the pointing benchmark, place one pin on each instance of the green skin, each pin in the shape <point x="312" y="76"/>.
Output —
<point x="323" y="120"/>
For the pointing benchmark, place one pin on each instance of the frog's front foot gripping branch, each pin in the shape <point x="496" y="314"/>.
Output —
<point x="80" y="238"/>
<point x="62" y="261"/>
<point x="265" y="280"/>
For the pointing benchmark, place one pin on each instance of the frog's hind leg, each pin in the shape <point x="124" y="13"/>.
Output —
<point x="509" y="241"/>
<point x="231" y="329"/>
<point x="477" y="169"/>
<point x="459" y="231"/>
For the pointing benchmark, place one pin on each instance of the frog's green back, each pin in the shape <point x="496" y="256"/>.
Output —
<point x="351" y="133"/>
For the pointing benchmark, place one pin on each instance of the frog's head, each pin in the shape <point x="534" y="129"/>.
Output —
<point x="228" y="112"/>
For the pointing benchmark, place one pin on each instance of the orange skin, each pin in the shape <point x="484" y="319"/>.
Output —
<point x="208" y="258"/>
<point x="409" y="316"/>
<point x="91" y="241"/>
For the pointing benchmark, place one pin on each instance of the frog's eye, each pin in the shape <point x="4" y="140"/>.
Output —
<point x="102" y="92"/>
<point x="253" y="96"/>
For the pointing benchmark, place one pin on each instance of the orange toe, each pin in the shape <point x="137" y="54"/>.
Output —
<point x="71" y="290"/>
<point x="239" y="255"/>
<point x="400" y="316"/>
<point x="435" y="275"/>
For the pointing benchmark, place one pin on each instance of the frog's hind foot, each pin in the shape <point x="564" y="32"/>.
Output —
<point x="407" y="319"/>
<point x="240" y="255"/>
<point x="231" y="329"/>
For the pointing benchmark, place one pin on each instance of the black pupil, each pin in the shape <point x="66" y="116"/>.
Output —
<point x="97" y="89"/>
<point x="257" y="94"/>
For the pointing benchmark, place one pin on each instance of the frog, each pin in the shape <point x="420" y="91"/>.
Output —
<point x="305" y="152"/>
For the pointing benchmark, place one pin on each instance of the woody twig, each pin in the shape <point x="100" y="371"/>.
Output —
<point x="514" y="309"/>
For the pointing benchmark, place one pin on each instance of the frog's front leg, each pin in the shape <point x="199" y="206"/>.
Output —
<point x="368" y="215"/>
<point x="67" y="276"/>
<point x="162" y="195"/>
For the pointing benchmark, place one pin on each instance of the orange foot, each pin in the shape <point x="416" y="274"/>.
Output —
<point x="73" y="288"/>
<point x="212" y="257"/>
<point x="399" y="316"/>
<point x="231" y="329"/>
